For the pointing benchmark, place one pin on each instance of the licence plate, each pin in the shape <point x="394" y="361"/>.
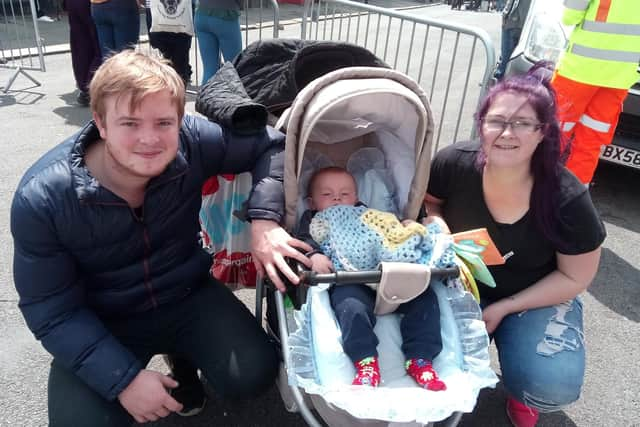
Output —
<point x="620" y="155"/>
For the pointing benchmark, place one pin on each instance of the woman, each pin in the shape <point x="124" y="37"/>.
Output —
<point x="544" y="223"/>
<point x="217" y="24"/>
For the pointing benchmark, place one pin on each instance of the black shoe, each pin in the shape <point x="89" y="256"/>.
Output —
<point x="192" y="397"/>
<point x="190" y="391"/>
<point x="83" y="98"/>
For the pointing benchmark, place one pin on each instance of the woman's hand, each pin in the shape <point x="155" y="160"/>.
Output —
<point x="433" y="206"/>
<point x="321" y="264"/>
<point x="432" y="218"/>
<point x="493" y="315"/>
<point x="270" y="244"/>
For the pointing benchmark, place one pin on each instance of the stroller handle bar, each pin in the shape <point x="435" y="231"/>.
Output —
<point x="312" y="278"/>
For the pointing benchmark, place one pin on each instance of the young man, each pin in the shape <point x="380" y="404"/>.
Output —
<point x="107" y="262"/>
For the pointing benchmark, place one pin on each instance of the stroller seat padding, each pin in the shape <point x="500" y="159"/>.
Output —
<point x="319" y="365"/>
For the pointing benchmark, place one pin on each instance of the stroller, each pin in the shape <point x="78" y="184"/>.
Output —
<point x="377" y="123"/>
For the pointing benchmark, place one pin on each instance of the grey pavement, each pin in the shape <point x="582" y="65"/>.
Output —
<point x="34" y="119"/>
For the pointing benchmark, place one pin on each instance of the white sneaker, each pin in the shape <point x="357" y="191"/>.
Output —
<point x="45" y="18"/>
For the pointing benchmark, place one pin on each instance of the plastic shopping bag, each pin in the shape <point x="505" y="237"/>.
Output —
<point x="172" y="16"/>
<point x="224" y="235"/>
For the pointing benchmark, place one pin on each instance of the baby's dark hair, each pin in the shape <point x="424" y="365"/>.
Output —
<point x="318" y="173"/>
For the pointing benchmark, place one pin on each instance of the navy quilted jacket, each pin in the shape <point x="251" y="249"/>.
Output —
<point x="82" y="255"/>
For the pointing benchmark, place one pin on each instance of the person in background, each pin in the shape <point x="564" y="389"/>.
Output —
<point x="173" y="46"/>
<point x="514" y="14"/>
<point x="541" y="218"/>
<point x="217" y="24"/>
<point x="85" y="49"/>
<point x="107" y="262"/>
<point x="46" y="10"/>
<point x="117" y="24"/>
<point x="594" y="75"/>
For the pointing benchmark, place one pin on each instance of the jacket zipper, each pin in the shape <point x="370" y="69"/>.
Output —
<point x="147" y="275"/>
<point x="147" y="244"/>
<point x="147" y="253"/>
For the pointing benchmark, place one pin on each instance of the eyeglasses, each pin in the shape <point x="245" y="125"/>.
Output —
<point x="520" y="127"/>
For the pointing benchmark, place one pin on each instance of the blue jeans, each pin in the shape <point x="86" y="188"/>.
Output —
<point x="420" y="326"/>
<point x="216" y="35"/>
<point x="542" y="355"/>
<point x="117" y="24"/>
<point x="510" y="37"/>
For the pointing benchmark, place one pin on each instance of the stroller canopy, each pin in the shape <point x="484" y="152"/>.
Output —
<point x="351" y="102"/>
<point x="274" y="71"/>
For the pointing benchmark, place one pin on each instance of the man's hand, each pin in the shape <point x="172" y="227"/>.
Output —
<point x="146" y="398"/>
<point x="321" y="264"/>
<point x="270" y="244"/>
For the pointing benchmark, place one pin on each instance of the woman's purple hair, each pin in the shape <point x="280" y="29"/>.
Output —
<point x="547" y="159"/>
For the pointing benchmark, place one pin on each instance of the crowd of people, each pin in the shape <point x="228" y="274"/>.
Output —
<point x="100" y="28"/>
<point x="109" y="271"/>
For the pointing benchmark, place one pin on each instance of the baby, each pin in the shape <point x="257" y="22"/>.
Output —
<point x="354" y="304"/>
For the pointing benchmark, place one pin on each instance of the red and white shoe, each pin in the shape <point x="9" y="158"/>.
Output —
<point x="422" y="372"/>
<point x="367" y="372"/>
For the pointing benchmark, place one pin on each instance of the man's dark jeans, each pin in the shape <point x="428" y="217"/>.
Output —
<point x="210" y="328"/>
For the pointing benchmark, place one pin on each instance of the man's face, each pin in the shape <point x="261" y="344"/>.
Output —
<point x="140" y="143"/>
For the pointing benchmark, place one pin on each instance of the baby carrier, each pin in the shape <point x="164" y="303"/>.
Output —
<point x="376" y="123"/>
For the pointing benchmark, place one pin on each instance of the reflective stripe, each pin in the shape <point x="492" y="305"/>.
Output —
<point x="610" y="28"/>
<point x="576" y="4"/>
<point x="594" y="124"/>
<point x="605" y="54"/>
<point x="568" y="126"/>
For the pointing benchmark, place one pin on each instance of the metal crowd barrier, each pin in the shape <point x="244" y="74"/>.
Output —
<point x="452" y="62"/>
<point x="21" y="48"/>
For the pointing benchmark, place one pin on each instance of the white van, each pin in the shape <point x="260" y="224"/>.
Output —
<point x="544" y="37"/>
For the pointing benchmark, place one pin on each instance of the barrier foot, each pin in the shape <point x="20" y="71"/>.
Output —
<point x="12" y="79"/>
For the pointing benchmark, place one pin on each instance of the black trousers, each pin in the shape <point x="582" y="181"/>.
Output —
<point x="211" y="329"/>
<point x="173" y="46"/>
<point x="85" y="49"/>
<point x="420" y="326"/>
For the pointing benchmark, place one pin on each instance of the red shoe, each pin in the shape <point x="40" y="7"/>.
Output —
<point x="520" y="414"/>
<point x="367" y="372"/>
<point x="422" y="371"/>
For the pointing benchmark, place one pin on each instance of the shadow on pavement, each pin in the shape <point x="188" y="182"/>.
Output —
<point x="22" y="96"/>
<point x="6" y="100"/>
<point x="611" y="184"/>
<point x="266" y="410"/>
<point x="73" y="113"/>
<point x="490" y="411"/>
<point x="616" y="285"/>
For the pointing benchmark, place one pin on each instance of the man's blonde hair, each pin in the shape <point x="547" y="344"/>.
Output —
<point x="137" y="74"/>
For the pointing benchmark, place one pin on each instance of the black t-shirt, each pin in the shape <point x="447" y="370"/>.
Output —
<point x="528" y="253"/>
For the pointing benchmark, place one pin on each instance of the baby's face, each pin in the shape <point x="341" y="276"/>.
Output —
<point x="333" y="188"/>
